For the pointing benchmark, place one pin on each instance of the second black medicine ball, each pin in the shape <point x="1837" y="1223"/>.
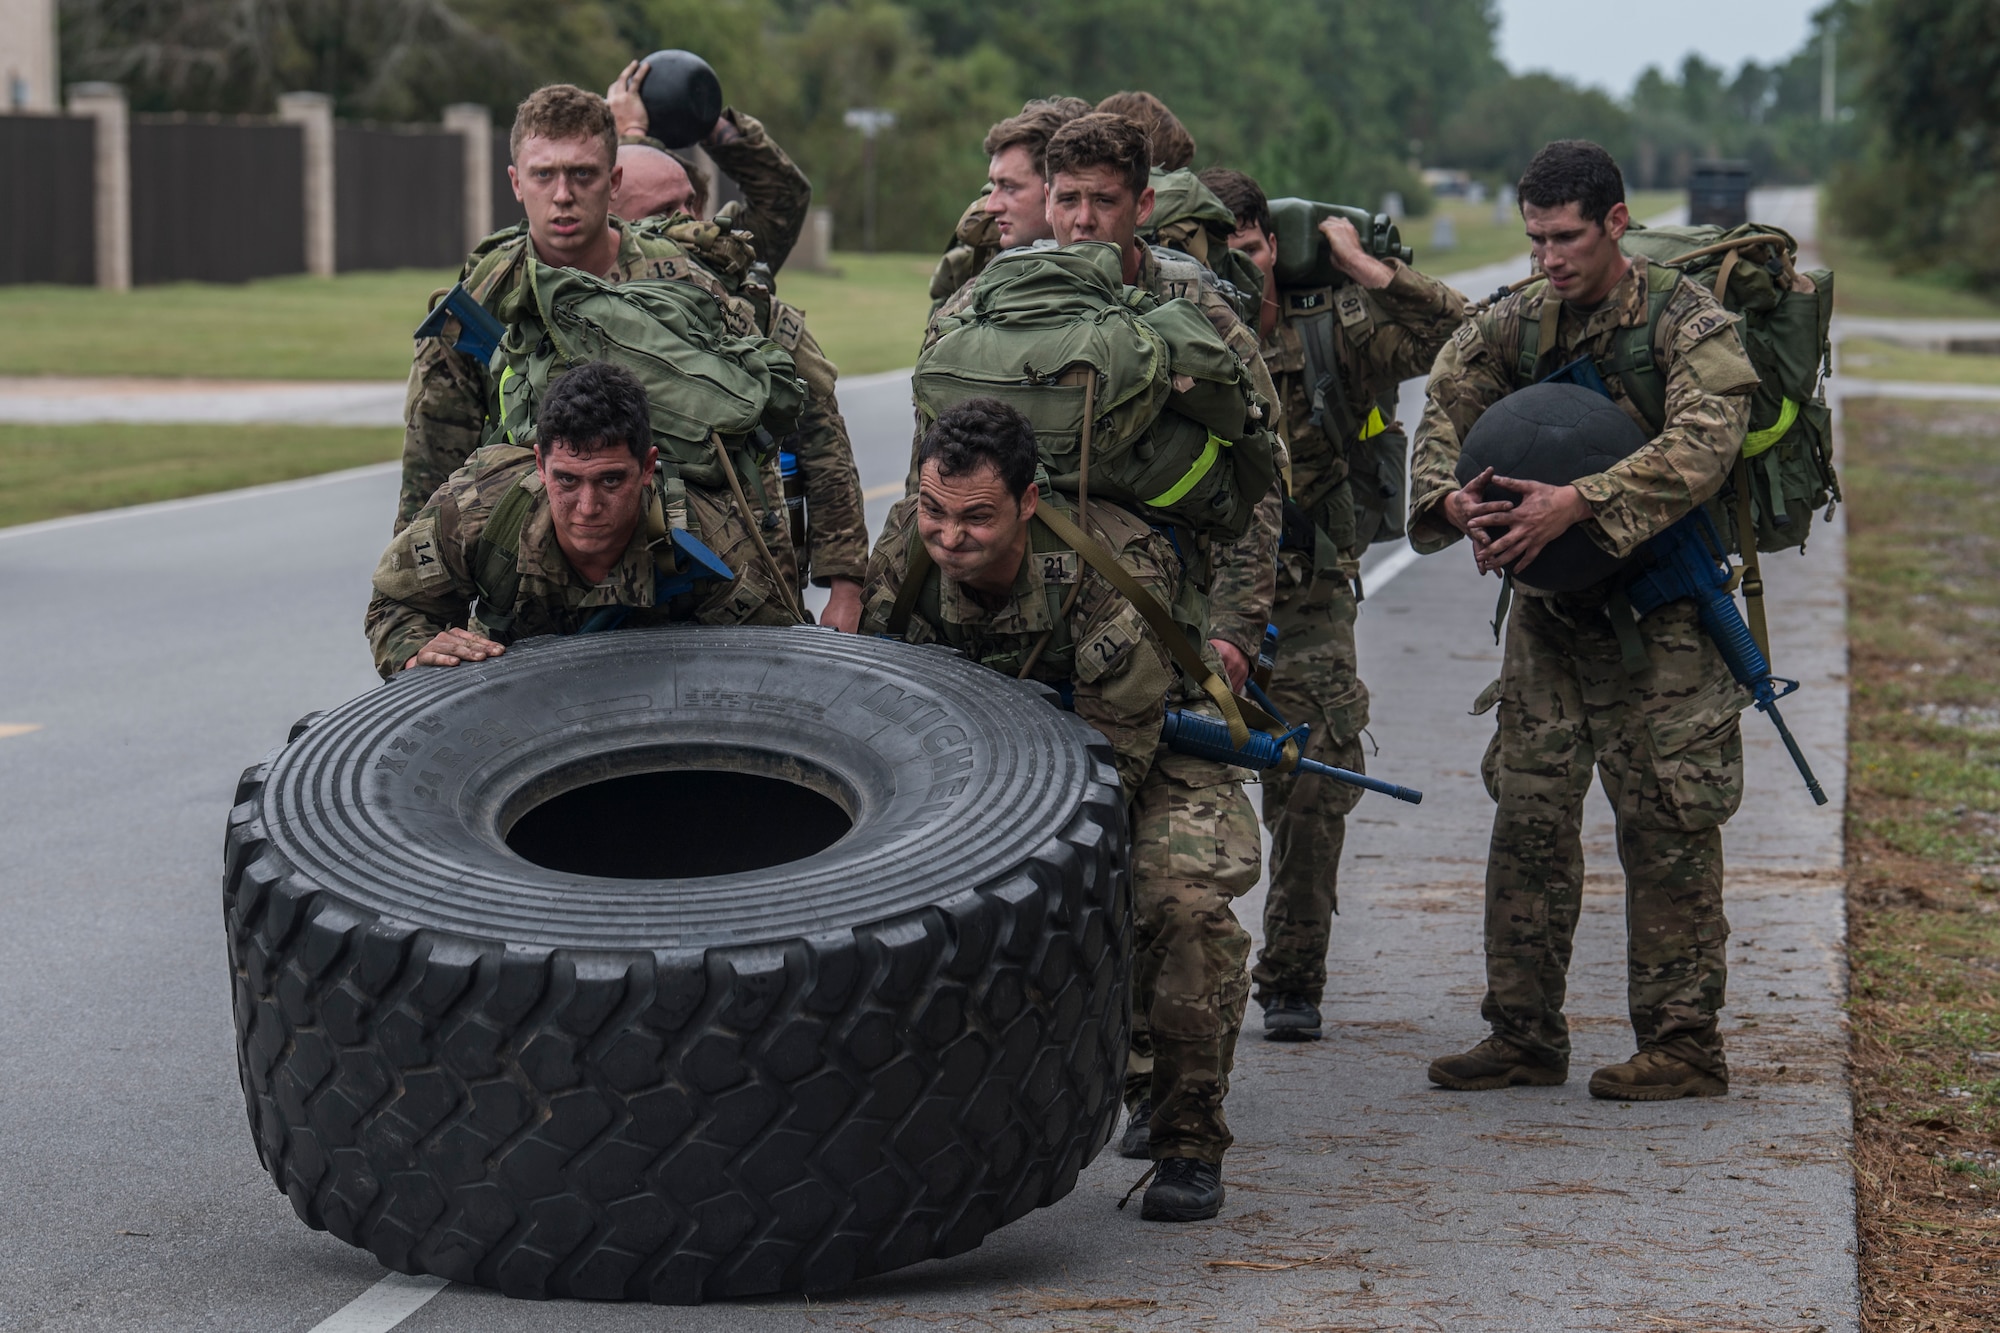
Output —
<point x="683" y="98"/>
<point x="1553" y="433"/>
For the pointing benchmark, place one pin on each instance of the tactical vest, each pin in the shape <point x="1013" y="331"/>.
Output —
<point x="496" y="555"/>
<point x="1052" y="660"/>
<point x="1370" y="502"/>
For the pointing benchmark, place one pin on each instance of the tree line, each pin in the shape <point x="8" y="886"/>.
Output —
<point x="1343" y="101"/>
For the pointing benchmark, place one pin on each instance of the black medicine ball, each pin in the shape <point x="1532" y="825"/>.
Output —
<point x="1553" y="433"/>
<point x="683" y="98"/>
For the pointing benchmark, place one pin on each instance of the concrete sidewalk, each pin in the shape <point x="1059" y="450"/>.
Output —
<point x="58" y="400"/>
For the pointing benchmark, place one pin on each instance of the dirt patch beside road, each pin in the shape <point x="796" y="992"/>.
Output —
<point x="1924" y="850"/>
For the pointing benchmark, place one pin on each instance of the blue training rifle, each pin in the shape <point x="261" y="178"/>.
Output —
<point x="478" y="332"/>
<point x="1208" y="738"/>
<point x="1686" y="561"/>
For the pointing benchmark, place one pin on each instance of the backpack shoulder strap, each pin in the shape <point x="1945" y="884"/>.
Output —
<point x="1323" y="382"/>
<point x="1172" y="637"/>
<point x="1536" y="333"/>
<point x="917" y="571"/>
<point x="496" y="558"/>
<point x="1632" y="357"/>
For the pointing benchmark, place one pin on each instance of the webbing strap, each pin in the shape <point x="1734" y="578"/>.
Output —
<point x="1503" y="603"/>
<point x="1752" y="579"/>
<point x="1375" y="425"/>
<point x="1625" y="628"/>
<point x="1234" y="710"/>
<point x="496" y="567"/>
<point x="915" y="572"/>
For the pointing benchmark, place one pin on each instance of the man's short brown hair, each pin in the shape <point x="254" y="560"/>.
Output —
<point x="1241" y="195"/>
<point x="1172" y="146"/>
<point x="1032" y="129"/>
<point x="1101" y="139"/>
<point x="564" y="111"/>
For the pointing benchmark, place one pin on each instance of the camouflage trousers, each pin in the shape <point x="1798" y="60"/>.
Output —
<point x="1195" y="847"/>
<point x="1315" y="681"/>
<point x="1666" y="745"/>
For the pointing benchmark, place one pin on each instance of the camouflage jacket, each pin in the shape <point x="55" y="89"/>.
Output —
<point x="776" y="194"/>
<point x="1708" y="380"/>
<point x="449" y="396"/>
<point x="974" y="242"/>
<point x="1119" y="674"/>
<point x="427" y="579"/>
<point x="1380" y="338"/>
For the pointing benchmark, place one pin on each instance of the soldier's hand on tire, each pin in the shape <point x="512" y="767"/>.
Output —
<point x="628" y="109"/>
<point x="1542" y="514"/>
<point x="455" y="646"/>
<point x="843" y="605"/>
<point x="1468" y="510"/>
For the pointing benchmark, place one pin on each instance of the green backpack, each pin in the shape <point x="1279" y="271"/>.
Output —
<point x="702" y="383"/>
<point x="1132" y="399"/>
<point x="1188" y="217"/>
<point x="1786" y="473"/>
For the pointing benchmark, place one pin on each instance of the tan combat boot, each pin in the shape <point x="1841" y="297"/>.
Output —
<point x="1495" y="1063"/>
<point x="1654" y="1076"/>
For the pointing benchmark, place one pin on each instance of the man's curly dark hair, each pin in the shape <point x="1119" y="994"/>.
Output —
<point x="1573" y="171"/>
<point x="1101" y="139"/>
<point x="981" y="431"/>
<point x="595" y="405"/>
<point x="1241" y="195"/>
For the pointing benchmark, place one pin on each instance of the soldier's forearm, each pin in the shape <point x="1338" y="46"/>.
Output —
<point x="396" y="631"/>
<point x="776" y="194"/>
<point x="1643" y="495"/>
<point x="1245" y="581"/>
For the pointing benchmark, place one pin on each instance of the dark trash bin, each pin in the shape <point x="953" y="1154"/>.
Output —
<point x="1719" y="194"/>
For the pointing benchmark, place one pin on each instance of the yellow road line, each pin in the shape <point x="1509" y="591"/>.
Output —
<point x="883" y="492"/>
<point x="17" y="729"/>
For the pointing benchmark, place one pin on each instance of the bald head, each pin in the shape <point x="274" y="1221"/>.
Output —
<point x="654" y="184"/>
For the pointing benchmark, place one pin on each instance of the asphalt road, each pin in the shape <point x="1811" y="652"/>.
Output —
<point x="156" y="652"/>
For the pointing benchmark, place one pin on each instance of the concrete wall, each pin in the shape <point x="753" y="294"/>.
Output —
<point x="28" y="55"/>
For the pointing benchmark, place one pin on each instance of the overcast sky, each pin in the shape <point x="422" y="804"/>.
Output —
<point x="1608" y="42"/>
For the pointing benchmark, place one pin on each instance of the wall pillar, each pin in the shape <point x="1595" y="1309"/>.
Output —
<point x="111" y="175"/>
<point x="313" y="114"/>
<point x="475" y="124"/>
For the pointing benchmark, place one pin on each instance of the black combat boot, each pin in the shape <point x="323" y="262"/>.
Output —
<point x="1495" y="1063"/>
<point x="1185" y="1190"/>
<point x="1291" y="1018"/>
<point x="1136" y="1141"/>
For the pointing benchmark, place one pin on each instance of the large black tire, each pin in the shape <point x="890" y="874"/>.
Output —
<point x="676" y="1089"/>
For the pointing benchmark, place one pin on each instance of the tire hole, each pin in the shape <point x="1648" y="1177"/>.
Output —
<point x="686" y="823"/>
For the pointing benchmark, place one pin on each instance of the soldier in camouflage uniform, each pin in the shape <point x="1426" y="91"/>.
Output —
<point x="658" y="193"/>
<point x="1013" y="208"/>
<point x="994" y="582"/>
<point x="1664" y="738"/>
<point x="1100" y="150"/>
<point x="1383" y="326"/>
<point x="573" y="509"/>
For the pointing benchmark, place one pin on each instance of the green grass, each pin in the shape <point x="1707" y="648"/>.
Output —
<point x="869" y="313"/>
<point x="354" y="327"/>
<point x="1923" y="839"/>
<point x="1867" y="284"/>
<point x="1482" y="240"/>
<point x="1873" y="359"/>
<point x="49" y="471"/>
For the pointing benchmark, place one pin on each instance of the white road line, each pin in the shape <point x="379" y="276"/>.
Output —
<point x="197" y="501"/>
<point x="383" y="1306"/>
<point x="1375" y="577"/>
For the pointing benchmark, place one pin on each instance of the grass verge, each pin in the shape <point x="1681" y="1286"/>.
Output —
<point x="1867" y="284"/>
<point x="354" y="327"/>
<point x="50" y="471"/>
<point x="868" y="314"/>
<point x="1874" y="359"/>
<point x="1924" y="852"/>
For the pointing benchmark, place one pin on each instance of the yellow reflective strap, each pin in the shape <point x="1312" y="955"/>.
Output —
<point x="1375" y="425"/>
<point x="1192" y="477"/>
<point x="504" y="374"/>
<point x="1757" y="441"/>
